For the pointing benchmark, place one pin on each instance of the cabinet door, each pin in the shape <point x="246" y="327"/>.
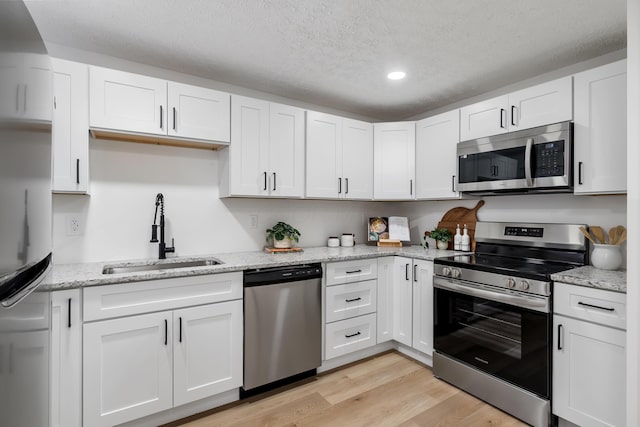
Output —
<point x="127" y="102"/>
<point x="248" y="153"/>
<point x="70" y="127"/>
<point x="385" y="305"/>
<point x="589" y="373"/>
<point x="600" y="130"/>
<point x="127" y="370"/>
<point x="402" y="301"/>
<point x="37" y="88"/>
<point x="324" y="155"/>
<point x="357" y="159"/>
<point x="546" y="103"/>
<point x="207" y="351"/>
<point x="394" y="160"/>
<point x="11" y="84"/>
<point x="423" y="306"/>
<point x="436" y="159"/>
<point x="286" y="151"/>
<point x="485" y="118"/>
<point x="197" y="112"/>
<point x="66" y="359"/>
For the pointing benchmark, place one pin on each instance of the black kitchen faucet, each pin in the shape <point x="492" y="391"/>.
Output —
<point x="162" y="247"/>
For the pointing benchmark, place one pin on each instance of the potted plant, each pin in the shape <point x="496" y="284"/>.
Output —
<point x="441" y="236"/>
<point x="282" y="235"/>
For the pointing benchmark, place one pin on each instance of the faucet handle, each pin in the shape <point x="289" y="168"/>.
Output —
<point x="154" y="233"/>
<point x="172" y="248"/>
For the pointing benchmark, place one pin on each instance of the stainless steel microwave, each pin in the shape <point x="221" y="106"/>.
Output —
<point x="537" y="160"/>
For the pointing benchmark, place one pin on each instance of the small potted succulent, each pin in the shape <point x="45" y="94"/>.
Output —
<point x="441" y="236"/>
<point x="282" y="234"/>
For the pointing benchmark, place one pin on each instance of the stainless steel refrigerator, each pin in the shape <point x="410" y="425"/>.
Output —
<point x="25" y="218"/>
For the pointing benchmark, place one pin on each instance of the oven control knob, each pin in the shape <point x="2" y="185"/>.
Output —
<point x="524" y="285"/>
<point x="446" y="271"/>
<point x="511" y="283"/>
<point x="455" y="272"/>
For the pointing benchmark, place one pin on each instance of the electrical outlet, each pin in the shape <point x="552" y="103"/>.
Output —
<point x="74" y="225"/>
<point x="253" y="221"/>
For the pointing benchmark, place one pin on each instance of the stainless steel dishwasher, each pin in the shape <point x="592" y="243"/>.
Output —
<point x="282" y="325"/>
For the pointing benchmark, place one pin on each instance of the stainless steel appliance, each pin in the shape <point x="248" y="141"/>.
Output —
<point x="493" y="314"/>
<point x="25" y="218"/>
<point x="282" y="325"/>
<point x="527" y="161"/>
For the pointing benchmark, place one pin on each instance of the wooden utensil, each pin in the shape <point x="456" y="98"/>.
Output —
<point x="613" y="235"/>
<point x="587" y="235"/>
<point x="461" y="216"/>
<point x="622" y="237"/>
<point x="598" y="233"/>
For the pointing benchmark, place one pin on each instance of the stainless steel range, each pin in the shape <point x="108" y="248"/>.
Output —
<point x="493" y="314"/>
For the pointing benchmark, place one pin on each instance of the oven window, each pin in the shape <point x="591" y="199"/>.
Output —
<point x="509" y="342"/>
<point x="496" y="165"/>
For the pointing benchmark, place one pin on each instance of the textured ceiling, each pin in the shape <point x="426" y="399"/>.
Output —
<point x="336" y="53"/>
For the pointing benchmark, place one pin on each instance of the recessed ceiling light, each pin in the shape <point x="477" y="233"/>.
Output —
<point x="396" y="75"/>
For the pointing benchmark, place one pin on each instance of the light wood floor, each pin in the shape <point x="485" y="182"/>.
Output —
<point x="386" y="390"/>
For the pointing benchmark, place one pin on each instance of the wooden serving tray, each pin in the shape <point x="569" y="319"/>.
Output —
<point x="282" y="250"/>
<point x="461" y="216"/>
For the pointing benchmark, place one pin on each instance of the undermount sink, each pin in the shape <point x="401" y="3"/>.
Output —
<point x="132" y="268"/>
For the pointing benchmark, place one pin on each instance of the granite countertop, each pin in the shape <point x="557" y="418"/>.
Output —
<point x="67" y="276"/>
<point x="594" y="278"/>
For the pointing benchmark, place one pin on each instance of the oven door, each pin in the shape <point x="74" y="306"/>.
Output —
<point x="498" y="334"/>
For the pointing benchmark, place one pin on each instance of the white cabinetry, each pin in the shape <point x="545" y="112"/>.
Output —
<point x="589" y="356"/>
<point x="423" y="306"/>
<point x="403" y="301"/>
<point x="386" y="279"/>
<point x="66" y="359"/>
<point x="165" y="355"/>
<point x="600" y="130"/>
<point x="339" y="157"/>
<point x="394" y="160"/>
<point x="25" y="87"/>
<point x="436" y="139"/>
<point x="70" y="127"/>
<point x="132" y="103"/>
<point x="266" y="155"/>
<point x="543" y="104"/>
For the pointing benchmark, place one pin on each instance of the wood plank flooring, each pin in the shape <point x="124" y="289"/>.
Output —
<point x="385" y="390"/>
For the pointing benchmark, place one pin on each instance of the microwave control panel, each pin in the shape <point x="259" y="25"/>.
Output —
<point x="549" y="159"/>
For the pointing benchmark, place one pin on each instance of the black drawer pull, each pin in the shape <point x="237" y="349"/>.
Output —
<point x="596" y="306"/>
<point x="354" y="271"/>
<point x="559" y="337"/>
<point x="166" y="331"/>
<point x="353" y="335"/>
<point x="353" y="299"/>
<point x="180" y="329"/>
<point x="69" y="313"/>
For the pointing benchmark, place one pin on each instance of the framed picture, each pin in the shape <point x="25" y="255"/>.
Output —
<point x="378" y="229"/>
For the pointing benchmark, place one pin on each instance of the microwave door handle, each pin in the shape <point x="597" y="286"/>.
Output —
<point x="527" y="162"/>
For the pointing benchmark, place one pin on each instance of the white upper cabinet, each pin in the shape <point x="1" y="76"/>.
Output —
<point x="198" y="113"/>
<point x="339" y="157"/>
<point x="132" y="103"/>
<point x="394" y="161"/>
<point x="539" y="105"/>
<point x="436" y="139"/>
<point x="600" y="130"/>
<point x="70" y="124"/>
<point x="25" y="86"/>
<point x="266" y="155"/>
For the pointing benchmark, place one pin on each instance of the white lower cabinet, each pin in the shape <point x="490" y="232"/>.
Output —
<point x="589" y="357"/>
<point x="386" y="275"/>
<point x="350" y="335"/>
<point x="66" y="359"/>
<point x="403" y="301"/>
<point x="423" y="306"/>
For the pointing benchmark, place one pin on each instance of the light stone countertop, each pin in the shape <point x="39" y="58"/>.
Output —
<point x="68" y="276"/>
<point x="594" y="278"/>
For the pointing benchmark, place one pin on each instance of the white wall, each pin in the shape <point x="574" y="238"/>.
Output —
<point x="125" y="178"/>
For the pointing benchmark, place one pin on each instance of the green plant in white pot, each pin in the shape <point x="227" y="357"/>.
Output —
<point x="282" y="235"/>
<point x="441" y="236"/>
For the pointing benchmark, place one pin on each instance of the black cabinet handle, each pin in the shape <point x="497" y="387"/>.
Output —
<point x="69" y="313"/>
<point x="274" y="181"/>
<point x="513" y="109"/>
<point x="352" y="335"/>
<point x="346" y="183"/>
<point x="406" y="272"/>
<point x="415" y="276"/>
<point x="353" y="299"/>
<point x="161" y="118"/>
<point x="354" y="271"/>
<point x="502" y="113"/>
<point x="453" y="183"/>
<point x="595" y="306"/>
<point x="77" y="171"/>
<point x="174" y="118"/>
<point x="411" y="187"/>
<point x="180" y="332"/>
<point x="339" y="185"/>
<point x="579" y="173"/>
<point x="560" y="337"/>
<point x="265" y="180"/>
<point x="166" y="332"/>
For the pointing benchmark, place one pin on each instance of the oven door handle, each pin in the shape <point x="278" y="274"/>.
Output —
<point x="535" y="304"/>
<point x="527" y="162"/>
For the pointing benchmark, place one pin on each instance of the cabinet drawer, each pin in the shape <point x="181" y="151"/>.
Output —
<point x="103" y="302"/>
<point x="350" y="335"/>
<point x="594" y="305"/>
<point x="350" y="300"/>
<point x="351" y="271"/>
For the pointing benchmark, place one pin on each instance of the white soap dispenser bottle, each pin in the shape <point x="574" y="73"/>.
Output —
<point x="457" y="239"/>
<point x="465" y="243"/>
